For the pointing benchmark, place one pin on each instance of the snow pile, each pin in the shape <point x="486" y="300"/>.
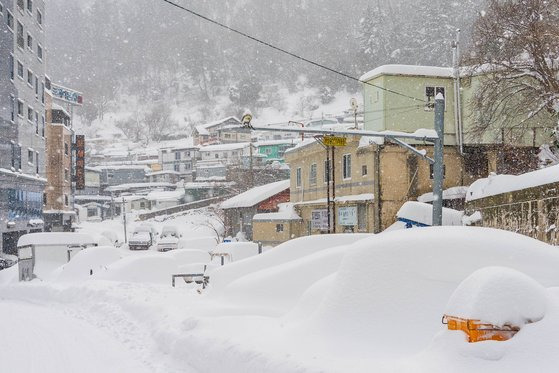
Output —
<point x="87" y="262"/>
<point x="458" y="192"/>
<point x="58" y="239"/>
<point x="152" y="268"/>
<point x="498" y="184"/>
<point x="423" y="213"/>
<point x="237" y="250"/>
<point x="255" y="195"/>
<point x="498" y="296"/>
<point x="173" y="195"/>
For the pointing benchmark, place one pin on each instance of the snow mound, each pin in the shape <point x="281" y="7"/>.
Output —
<point x="498" y="296"/>
<point x="149" y="268"/>
<point x="423" y="213"/>
<point x="391" y="290"/>
<point x="88" y="261"/>
<point x="185" y="257"/>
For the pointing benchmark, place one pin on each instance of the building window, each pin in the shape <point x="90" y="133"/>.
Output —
<point x="432" y="171"/>
<point x="30" y="114"/>
<point x="43" y="92"/>
<point x="312" y="174"/>
<point x="177" y="167"/>
<point x="20" y="69"/>
<point x="298" y="177"/>
<point x="364" y="170"/>
<point x="327" y="177"/>
<point x="20" y="108"/>
<point x="12" y="108"/>
<point x="16" y="157"/>
<point x="12" y="72"/>
<point x="20" y="39"/>
<point x="30" y="42"/>
<point x="216" y="155"/>
<point x="30" y="6"/>
<point x="39" y="51"/>
<point x="178" y="156"/>
<point x="279" y="227"/>
<point x="36" y="86"/>
<point x="66" y="200"/>
<point x="30" y="156"/>
<point x="20" y="4"/>
<point x="347" y="166"/>
<point x="187" y="154"/>
<point x="66" y="174"/>
<point x="66" y="148"/>
<point x="10" y="20"/>
<point x="42" y="126"/>
<point x="39" y="17"/>
<point x="430" y="94"/>
<point x="1" y="8"/>
<point x="362" y="217"/>
<point x="30" y="77"/>
<point x="36" y="123"/>
<point x="37" y="162"/>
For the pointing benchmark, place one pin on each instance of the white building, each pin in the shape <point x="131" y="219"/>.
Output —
<point x="227" y="154"/>
<point x="180" y="159"/>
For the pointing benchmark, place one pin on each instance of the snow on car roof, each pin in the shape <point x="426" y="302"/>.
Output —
<point x="255" y="195"/>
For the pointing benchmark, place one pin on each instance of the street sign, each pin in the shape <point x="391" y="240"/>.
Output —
<point x="334" y="141"/>
<point x="66" y="94"/>
<point x="80" y="162"/>
<point x="347" y="216"/>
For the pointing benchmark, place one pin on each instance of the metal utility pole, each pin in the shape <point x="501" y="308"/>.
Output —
<point x="333" y="189"/>
<point x="251" y="166"/>
<point x="438" y="166"/>
<point x="327" y="171"/>
<point x="124" y="219"/>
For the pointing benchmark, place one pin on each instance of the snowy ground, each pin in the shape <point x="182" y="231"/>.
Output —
<point x="342" y="303"/>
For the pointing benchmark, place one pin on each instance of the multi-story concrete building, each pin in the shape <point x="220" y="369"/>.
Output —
<point x="22" y="119"/>
<point x="181" y="159"/>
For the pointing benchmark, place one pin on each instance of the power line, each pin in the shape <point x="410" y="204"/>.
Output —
<point x="267" y="44"/>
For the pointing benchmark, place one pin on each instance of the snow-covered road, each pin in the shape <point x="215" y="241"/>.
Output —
<point x="36" y="338"/>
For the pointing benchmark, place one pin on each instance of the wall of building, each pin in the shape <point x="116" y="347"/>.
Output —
<point x="266" y="231"/>
<point x="533" y="212"/>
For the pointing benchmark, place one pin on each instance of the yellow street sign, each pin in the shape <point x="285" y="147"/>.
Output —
<point x="334" y="141"/>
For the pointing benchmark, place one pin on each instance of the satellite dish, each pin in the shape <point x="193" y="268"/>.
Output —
<point x="353" y="104"/>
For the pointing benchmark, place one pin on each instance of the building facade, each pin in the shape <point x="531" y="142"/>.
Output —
<point x="179" y="159"/>
<point x="22" y="119"/>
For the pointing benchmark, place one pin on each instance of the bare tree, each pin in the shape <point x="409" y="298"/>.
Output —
<point x="215" y="222"/>
<point x="516" y="50"/>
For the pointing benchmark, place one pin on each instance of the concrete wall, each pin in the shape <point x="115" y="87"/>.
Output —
<point x="265" y="231"/>
<point x="533" y="212"/>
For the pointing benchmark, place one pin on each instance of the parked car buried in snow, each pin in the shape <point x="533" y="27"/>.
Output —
<point x="169" y="239"/>
<point x="143" y="238"/>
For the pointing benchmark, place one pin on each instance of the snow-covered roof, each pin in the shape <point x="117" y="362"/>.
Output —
<point x="286" y="212"/>
<point x="91" y="197"/>
<point x="302" y="144"/>
<point x="342" y="199"/>
<point x="255" y="195"/>
<point x="164" y="172"/>
<point x="121" y="167"/>
<point x="450" y="193"/>
<point x="277" y="142"/>
<point x="121" y="187"/>
<point x="202" y="129"/>
<point x="423" y="213"/>
<point x="22" y="175"/>
<point x="224" y="147"/>
<point x="207" y="184"/>
<point x="498" y="184"/>
<point x="410" y="70"/>
<point x="59" y="238"/>
<point x="166" y="196"/>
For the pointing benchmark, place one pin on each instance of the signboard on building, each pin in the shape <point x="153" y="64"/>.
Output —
<point x="80" y="162"/>
<point x="347" y="216"/>
<point x="66" y="94"/>
<point x="319" y="219"/>
<point x="334" y="141"/>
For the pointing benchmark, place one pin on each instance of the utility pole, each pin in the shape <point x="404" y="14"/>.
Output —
<point x="124" y="219"/>
<point x="251" y="164"/>
<point x="438" y="166"/>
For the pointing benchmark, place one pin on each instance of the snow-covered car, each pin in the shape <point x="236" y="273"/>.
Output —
<point x="169" y="239"/>
<point x="142" y="238"/>
<point x="111" y="237"/>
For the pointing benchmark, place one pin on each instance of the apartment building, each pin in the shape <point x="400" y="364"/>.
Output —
<point x="22" y="119"/>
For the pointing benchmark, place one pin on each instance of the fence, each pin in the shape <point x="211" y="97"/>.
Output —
<point x="533" y="212"/>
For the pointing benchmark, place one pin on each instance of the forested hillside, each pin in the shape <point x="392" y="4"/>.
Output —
<point x="151" y="56"/>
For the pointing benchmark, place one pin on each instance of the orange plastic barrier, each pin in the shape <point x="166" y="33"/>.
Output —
<point x="478" y="331"/>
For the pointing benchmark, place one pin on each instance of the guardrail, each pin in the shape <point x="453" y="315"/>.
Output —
<point x="183" y="207"/>
<point x="198" y="278"/>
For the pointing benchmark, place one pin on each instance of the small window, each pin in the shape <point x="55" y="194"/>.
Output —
<point x="20" y="37"/>
<point x="30" y="113"/>
<point x="364" y="170"/>
<point x="347" y="166"/>
<point x="279" y="227"/>
<point x="30" y="6"/>
<point x="432" y="171"/>
<point x="216" y="155"/>
<point x="36" y="123"/>
<point x="66" y="174"/>
<point x="1" y="8"/>
<point x="20" y="69"/>
<point x="430" y="93"/>
<point x="10" y="20"/>
<point x="37" y="162"/>
<point x="20" y="108"/>
<point x="30" y="77"/>
<point x="43" y="126"/>
<point x="20" y="4"/>
<point x="177" y="167"/>
<point x="30" y="42"/>
<point x="66" y="148"/>
<point x="39" y="17"/>
<point x="36" y="86"/>
<point x="12" y="68"/>
<point x="12" y="108"/>
<point x="312" y="174"/>
<point x="298" y="177"/>
<point x="39" y="51"/>
<point x="178" y="156"/>
<point x="30" y="156"/>
<point x="66" y="200"/>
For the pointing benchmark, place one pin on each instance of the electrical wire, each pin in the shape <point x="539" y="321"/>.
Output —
<point x="272" y="46"/>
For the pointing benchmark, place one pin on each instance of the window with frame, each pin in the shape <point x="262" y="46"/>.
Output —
<point x="177" y="156"/>
<point x="20" y="69"/>
<point x="39" y="17"/>
<point x="10" y="20"/>
<point x="66" y="174"/>
<point x="430" y="93"/>
<point x="39" y="51"/>
<point x="279" y="227"/>
<point x="36" y="123"/>
<point x="20" y="4"/>
<point x="177" y="167"/>
<point x="12" y="108"/>
<point x="36" y="86"/>
<point x="66" y="148"/>
<point x="43" y="92"/>
<point x="364" y="170"/>
<point x="346" y="166"/>
<point x="312" y="174"/>
<point x="362" y="217"/>
<point x="42" y="126"/>
<point x="432" y="171"/>
<point x="298" y="176"/>
<point x="30" y="6"/>
<point x="30" y="42"/>
<point x="216" y="156"/>
<point x="66" y="200"/>
<point x="12" y="68"/>
<point x="37" y="162"/>
<point x="20" y="38"/>
<point x="30" y="77"/>
<point x="30" y="113"/>
<point x="30" y="156"/>
<point x="20" y="108"/>
<point x="1" y="8"/>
